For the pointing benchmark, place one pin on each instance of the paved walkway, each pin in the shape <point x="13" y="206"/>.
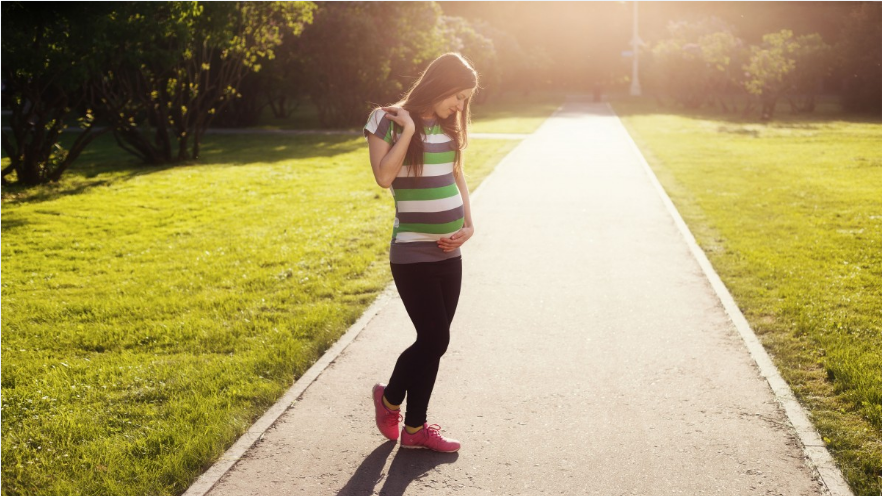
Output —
<point x="590" y="355"/>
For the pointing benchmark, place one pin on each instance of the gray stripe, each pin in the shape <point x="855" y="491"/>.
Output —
<point x="423" y="182"/>
<point x="383" y="127"/>
<point x="438" y="147"/>
<point x="431" y="217"/>
<point x="419" y="251"/>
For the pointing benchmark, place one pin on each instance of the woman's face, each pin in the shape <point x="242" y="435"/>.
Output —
<point x="453" y="103"/>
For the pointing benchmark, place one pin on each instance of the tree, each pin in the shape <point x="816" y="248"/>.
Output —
<point x="174" y="65"/>
<point x="723" y="55"/>
<point x="696" y="62"/>
<point x="284" y="83"/>
<point x="280" y="85"/>
<point x="860" y="55"/>
<point x="362" y="53"/>
<point x="513" y="68"/>
<point x="461" y="37"/>
<point x="769" y="69"/>
<point x="48" y="60"/>
<point x="814" y="62"/>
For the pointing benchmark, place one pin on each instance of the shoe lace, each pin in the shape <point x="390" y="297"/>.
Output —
<point x="434" y="430"/>
<point x="393" y="417"/>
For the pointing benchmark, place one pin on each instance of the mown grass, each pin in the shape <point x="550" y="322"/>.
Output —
<point x="790" y="215"/>
<point x="150" y="315"/>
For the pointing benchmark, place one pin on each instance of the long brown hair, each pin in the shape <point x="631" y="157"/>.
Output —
<point x="446" y="75"/>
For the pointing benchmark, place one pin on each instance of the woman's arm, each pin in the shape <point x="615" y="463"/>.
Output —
<point x="464" y="191"/>
<point x="386" y="159"/>
<point x="468" y="228"/>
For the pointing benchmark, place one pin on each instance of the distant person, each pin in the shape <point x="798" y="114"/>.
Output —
<point x="416" y="151"/>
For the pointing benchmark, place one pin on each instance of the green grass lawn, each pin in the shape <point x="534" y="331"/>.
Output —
<point x="151" y="314"/>
<point x="790" y="215"/>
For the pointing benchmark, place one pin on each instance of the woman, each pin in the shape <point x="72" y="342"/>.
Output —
<point x="416" y="151"/>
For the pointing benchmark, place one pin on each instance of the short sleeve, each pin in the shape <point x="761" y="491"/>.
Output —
<point x="379" y="126"/>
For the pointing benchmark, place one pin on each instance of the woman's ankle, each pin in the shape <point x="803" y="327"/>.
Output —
<point x="412" y="430"/>
<point x="390" y="405"/>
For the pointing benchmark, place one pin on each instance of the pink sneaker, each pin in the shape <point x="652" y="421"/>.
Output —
<point x="387" y="420"/>
<point x="429" y="437"/>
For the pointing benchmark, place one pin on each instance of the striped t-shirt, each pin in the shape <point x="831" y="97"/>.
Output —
<point x="429" y="207"/>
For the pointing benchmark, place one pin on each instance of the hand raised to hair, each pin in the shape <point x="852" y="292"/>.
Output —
<point x="399" y="116"/>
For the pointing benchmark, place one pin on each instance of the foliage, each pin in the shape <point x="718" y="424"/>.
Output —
<point x="768" y="73"/>
<point x="784" y="65"/>
<point x="814" y="62"/>
<point x="697" y="61"/>
<point x="47" y="64"/>
<point x="518" y="68"/>
<point x="358" y="54"/>
<point x="704" y="62"/>
<point x="460" y="36"/>
<point x="860" y="55"/>
<point x="284" y="81"/>
<point x="174" y="65"/>
<point x="722" y="52"/>
<point x="279" y="85"/>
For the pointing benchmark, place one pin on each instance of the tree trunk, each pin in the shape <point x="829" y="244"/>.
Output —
<point x="82" y="141"/>
<point x="183" y="155"/>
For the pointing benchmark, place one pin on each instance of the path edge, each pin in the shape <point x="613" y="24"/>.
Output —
<point x="814" y="448"/>
<point x="210" y="478"/>
<point x="222" y="465"/>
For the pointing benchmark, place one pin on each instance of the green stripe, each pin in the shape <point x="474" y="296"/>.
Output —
<point x="436" y="129"/>
<point x="439" y="157"/>
<point x="427" y="193"/>
<point x="392" y="126"/>
<point x="449" y="227"/>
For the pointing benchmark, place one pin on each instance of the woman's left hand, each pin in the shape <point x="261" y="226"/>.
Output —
<point x="456" y="239"/>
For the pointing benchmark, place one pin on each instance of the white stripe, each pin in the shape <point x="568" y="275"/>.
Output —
<point x="374" y="121"/>
<point x="429" y="170"/>
<point x="441" y="205"/>
<point x="437" y="138"/>
<point x="412" y="237"/>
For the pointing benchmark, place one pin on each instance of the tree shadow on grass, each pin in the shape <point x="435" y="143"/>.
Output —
<point x="75" y="182"/>
<point x="407" y="466"/>
<point x="103" y="163"/>
<point x="271" y="148"/>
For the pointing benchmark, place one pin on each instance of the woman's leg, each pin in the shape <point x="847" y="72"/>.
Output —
<point x="451" y="285"/>
<point x="430" y="292"/>
<point x="420" y="391"/>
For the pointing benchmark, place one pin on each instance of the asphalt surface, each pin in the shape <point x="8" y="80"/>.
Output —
<point x="589" y="356"/>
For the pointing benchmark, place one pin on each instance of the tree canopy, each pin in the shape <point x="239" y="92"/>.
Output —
<point x="158" y="74"/>
<point x="48" y="61"/>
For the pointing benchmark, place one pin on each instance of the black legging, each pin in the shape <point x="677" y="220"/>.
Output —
<point x="430" y="292"/>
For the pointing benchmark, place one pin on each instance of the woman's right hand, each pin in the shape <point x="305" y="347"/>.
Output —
<point x="399" y="116"/>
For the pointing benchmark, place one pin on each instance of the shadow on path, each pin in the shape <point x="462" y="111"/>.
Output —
<point x="407" y="466"/>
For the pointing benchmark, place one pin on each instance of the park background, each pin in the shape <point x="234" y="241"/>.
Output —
<point x="188" y="220"/>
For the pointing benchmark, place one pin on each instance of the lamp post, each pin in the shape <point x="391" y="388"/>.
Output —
<point x="635" y="42"/>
